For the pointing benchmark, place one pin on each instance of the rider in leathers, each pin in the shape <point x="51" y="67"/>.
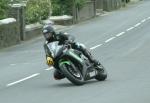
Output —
<point x="50" y="35"/>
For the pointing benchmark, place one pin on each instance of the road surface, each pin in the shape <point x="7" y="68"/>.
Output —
<point x="119" y="39"/>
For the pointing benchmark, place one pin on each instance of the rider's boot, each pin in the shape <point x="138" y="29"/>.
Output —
<point x="90" y="57"/>
<point x="96" y="62"/>
<point x="58" y="75"/>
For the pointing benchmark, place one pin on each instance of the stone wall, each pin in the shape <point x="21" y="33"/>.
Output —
<point x="17" y="11"/>
<point x="9" y="32"/>
<point x="135" y="0"/>
<point x="87" y="12"/>
<point x="99" y="4"/>
<point x="110" y="5"/>
<point x="33" y="30"/>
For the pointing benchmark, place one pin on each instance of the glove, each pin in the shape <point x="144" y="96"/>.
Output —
<point x="49" y="61"/>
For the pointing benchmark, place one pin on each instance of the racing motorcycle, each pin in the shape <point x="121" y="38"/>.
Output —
<point x="73" y="64"/>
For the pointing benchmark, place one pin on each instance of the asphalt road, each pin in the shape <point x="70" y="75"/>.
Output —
<point x="120" y="40"/>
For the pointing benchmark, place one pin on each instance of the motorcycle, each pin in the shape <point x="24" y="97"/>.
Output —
<point x="73" y="64"/>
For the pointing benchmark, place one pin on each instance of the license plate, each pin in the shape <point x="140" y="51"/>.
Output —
<point x="92" y="74"/>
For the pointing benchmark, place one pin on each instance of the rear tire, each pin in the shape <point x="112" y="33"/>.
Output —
<point x="72" y="73"/>
<point x="102" y="73"/>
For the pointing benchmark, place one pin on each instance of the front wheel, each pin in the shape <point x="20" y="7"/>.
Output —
<point x="102" y="73"/>
<point x="72" y="73"/>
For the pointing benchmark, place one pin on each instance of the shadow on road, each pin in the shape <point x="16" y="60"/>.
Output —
<point x="58" y="85"/>
<point x="67" y="84"/>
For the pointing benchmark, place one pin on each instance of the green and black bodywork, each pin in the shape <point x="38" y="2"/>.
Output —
<point x="75" y="66"/>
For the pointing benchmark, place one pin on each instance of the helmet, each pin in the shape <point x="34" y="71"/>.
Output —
<point x="48" y="32"/>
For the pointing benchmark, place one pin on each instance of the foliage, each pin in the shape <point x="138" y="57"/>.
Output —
<point x="61" y="7"/>
<point x="3" y="8"/>
<point x="80" y="3"/>
<point x="17" y="1"/>
<point x="37" y="10"/>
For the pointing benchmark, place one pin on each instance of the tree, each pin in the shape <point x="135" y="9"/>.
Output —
<point x="3" y="8"/>
<point x="61" y="7"/>
<point x="37" y="10"/>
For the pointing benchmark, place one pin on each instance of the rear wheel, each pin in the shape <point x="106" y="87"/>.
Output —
<point x="102" y="73"/>
<point x="72" y="73"/>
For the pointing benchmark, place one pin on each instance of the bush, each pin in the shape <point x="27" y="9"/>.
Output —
<point x="17" y="1"/>
<point x="61" y="7"/>
<point x="37" y="10"/>
<point x="80" y="3"/>
<point x="3" y="8"/>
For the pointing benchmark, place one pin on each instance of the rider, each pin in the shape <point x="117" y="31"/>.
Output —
<point x="50" y="36"/>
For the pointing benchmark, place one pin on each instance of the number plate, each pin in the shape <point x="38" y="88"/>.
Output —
<point x="92" y="74"/>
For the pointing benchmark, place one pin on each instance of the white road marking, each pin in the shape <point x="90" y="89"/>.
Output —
<point x="20" y="63"/>
<point x="138" y="24"/>
<point x="21" y="80"/>
<point x="130" y="28"/>
<point x="143" y="20"/>
<point x="148" y="18"/>
<point x="26" y="63"/>
<point x="13" y="64"/>
<point x="96" y="46"/>
<point x="110" y="39"/>
<point x="120" y="34"/>
<point x="49" y="68"/>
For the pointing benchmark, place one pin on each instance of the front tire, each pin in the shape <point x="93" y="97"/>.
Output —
<point x="72" y="73"/>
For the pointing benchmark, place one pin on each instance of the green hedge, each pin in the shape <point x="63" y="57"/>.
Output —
<point x="3" y="8"/>
<point x="61" y="7"/>
<point x="37" y="10"/>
